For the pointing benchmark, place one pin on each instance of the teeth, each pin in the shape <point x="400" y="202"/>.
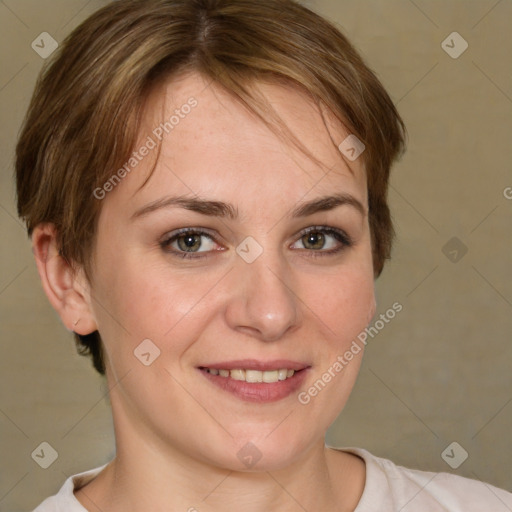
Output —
<point x="237" y="374"/>
<point x="270" y="376"/>
<point x="254" y="375"/>
<point x="282" y="374"/>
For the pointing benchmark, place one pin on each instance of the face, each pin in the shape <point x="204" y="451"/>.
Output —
<point x="246" y="270"/>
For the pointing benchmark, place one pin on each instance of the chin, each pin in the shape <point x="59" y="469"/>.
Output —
<point x="267" y="452"/>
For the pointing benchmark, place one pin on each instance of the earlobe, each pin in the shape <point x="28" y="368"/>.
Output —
<point x="67" y="292"/>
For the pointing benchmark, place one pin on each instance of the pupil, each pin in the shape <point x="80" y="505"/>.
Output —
<point x="190" y="242"/>
<point x="315" y="239"/>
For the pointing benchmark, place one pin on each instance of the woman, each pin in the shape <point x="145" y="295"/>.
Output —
<point x="204" y="182"/>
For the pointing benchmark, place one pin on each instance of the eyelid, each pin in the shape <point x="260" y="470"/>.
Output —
<point x="339" y="234"/>
<point x="326" y="229"/>
<point x="173" y="235"/>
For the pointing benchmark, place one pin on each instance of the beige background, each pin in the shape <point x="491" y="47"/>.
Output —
<point x="439" y="372"/>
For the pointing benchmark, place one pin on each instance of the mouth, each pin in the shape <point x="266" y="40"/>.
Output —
<point x="247" y="375"/>
<point x="257" y="381"/>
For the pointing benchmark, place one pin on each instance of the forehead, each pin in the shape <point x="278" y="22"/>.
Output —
<point x="211" y="144"/>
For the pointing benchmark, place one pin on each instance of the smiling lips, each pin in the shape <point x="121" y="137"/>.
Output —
<point x="257" y="381"/>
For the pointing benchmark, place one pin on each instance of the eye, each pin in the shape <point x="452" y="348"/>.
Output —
<point x="194" y="243"/>
<point x="187" y="242"/>
<point x="323" y="240"/>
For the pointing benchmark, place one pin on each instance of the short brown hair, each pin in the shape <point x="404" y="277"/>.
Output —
<point x="84" y="116"/>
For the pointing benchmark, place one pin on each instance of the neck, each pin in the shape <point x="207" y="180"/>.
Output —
<point x="150" y="473"/>
<point x="140" y="479"/>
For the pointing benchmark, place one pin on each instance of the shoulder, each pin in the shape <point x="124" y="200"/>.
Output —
<point x="51" y="504"/>
<point x="392" y="487"/>
<point x="65" y="500"/>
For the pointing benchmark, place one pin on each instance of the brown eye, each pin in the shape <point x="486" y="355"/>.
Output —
<point x="313" y="240"/>
<point x="189" y="243"/>
<point x="323" y="241"/>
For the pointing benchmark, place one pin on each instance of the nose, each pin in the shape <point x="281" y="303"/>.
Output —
<point x="261" y="300"/>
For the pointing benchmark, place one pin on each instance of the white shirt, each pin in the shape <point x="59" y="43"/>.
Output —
<point x="388" y="488"/>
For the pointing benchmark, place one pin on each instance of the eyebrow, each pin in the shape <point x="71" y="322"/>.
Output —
<point x="226" y="210"/>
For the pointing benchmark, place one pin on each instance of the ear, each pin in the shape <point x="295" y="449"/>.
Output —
<point x="67" y="289"/>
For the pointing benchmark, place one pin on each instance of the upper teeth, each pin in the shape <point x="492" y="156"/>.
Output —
<point x="254" y="375"/>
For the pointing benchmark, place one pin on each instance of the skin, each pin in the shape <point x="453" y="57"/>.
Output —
<point x="177" y="435"/>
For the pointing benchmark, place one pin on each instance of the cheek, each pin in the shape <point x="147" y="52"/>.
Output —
<point x="344" y="303"/>
<point x="342" y="308"/>
<point x="150" y="301"/>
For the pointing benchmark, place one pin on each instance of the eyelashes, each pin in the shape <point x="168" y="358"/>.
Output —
<point x="186" y="239"/>
<point x="187" y="243"/>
